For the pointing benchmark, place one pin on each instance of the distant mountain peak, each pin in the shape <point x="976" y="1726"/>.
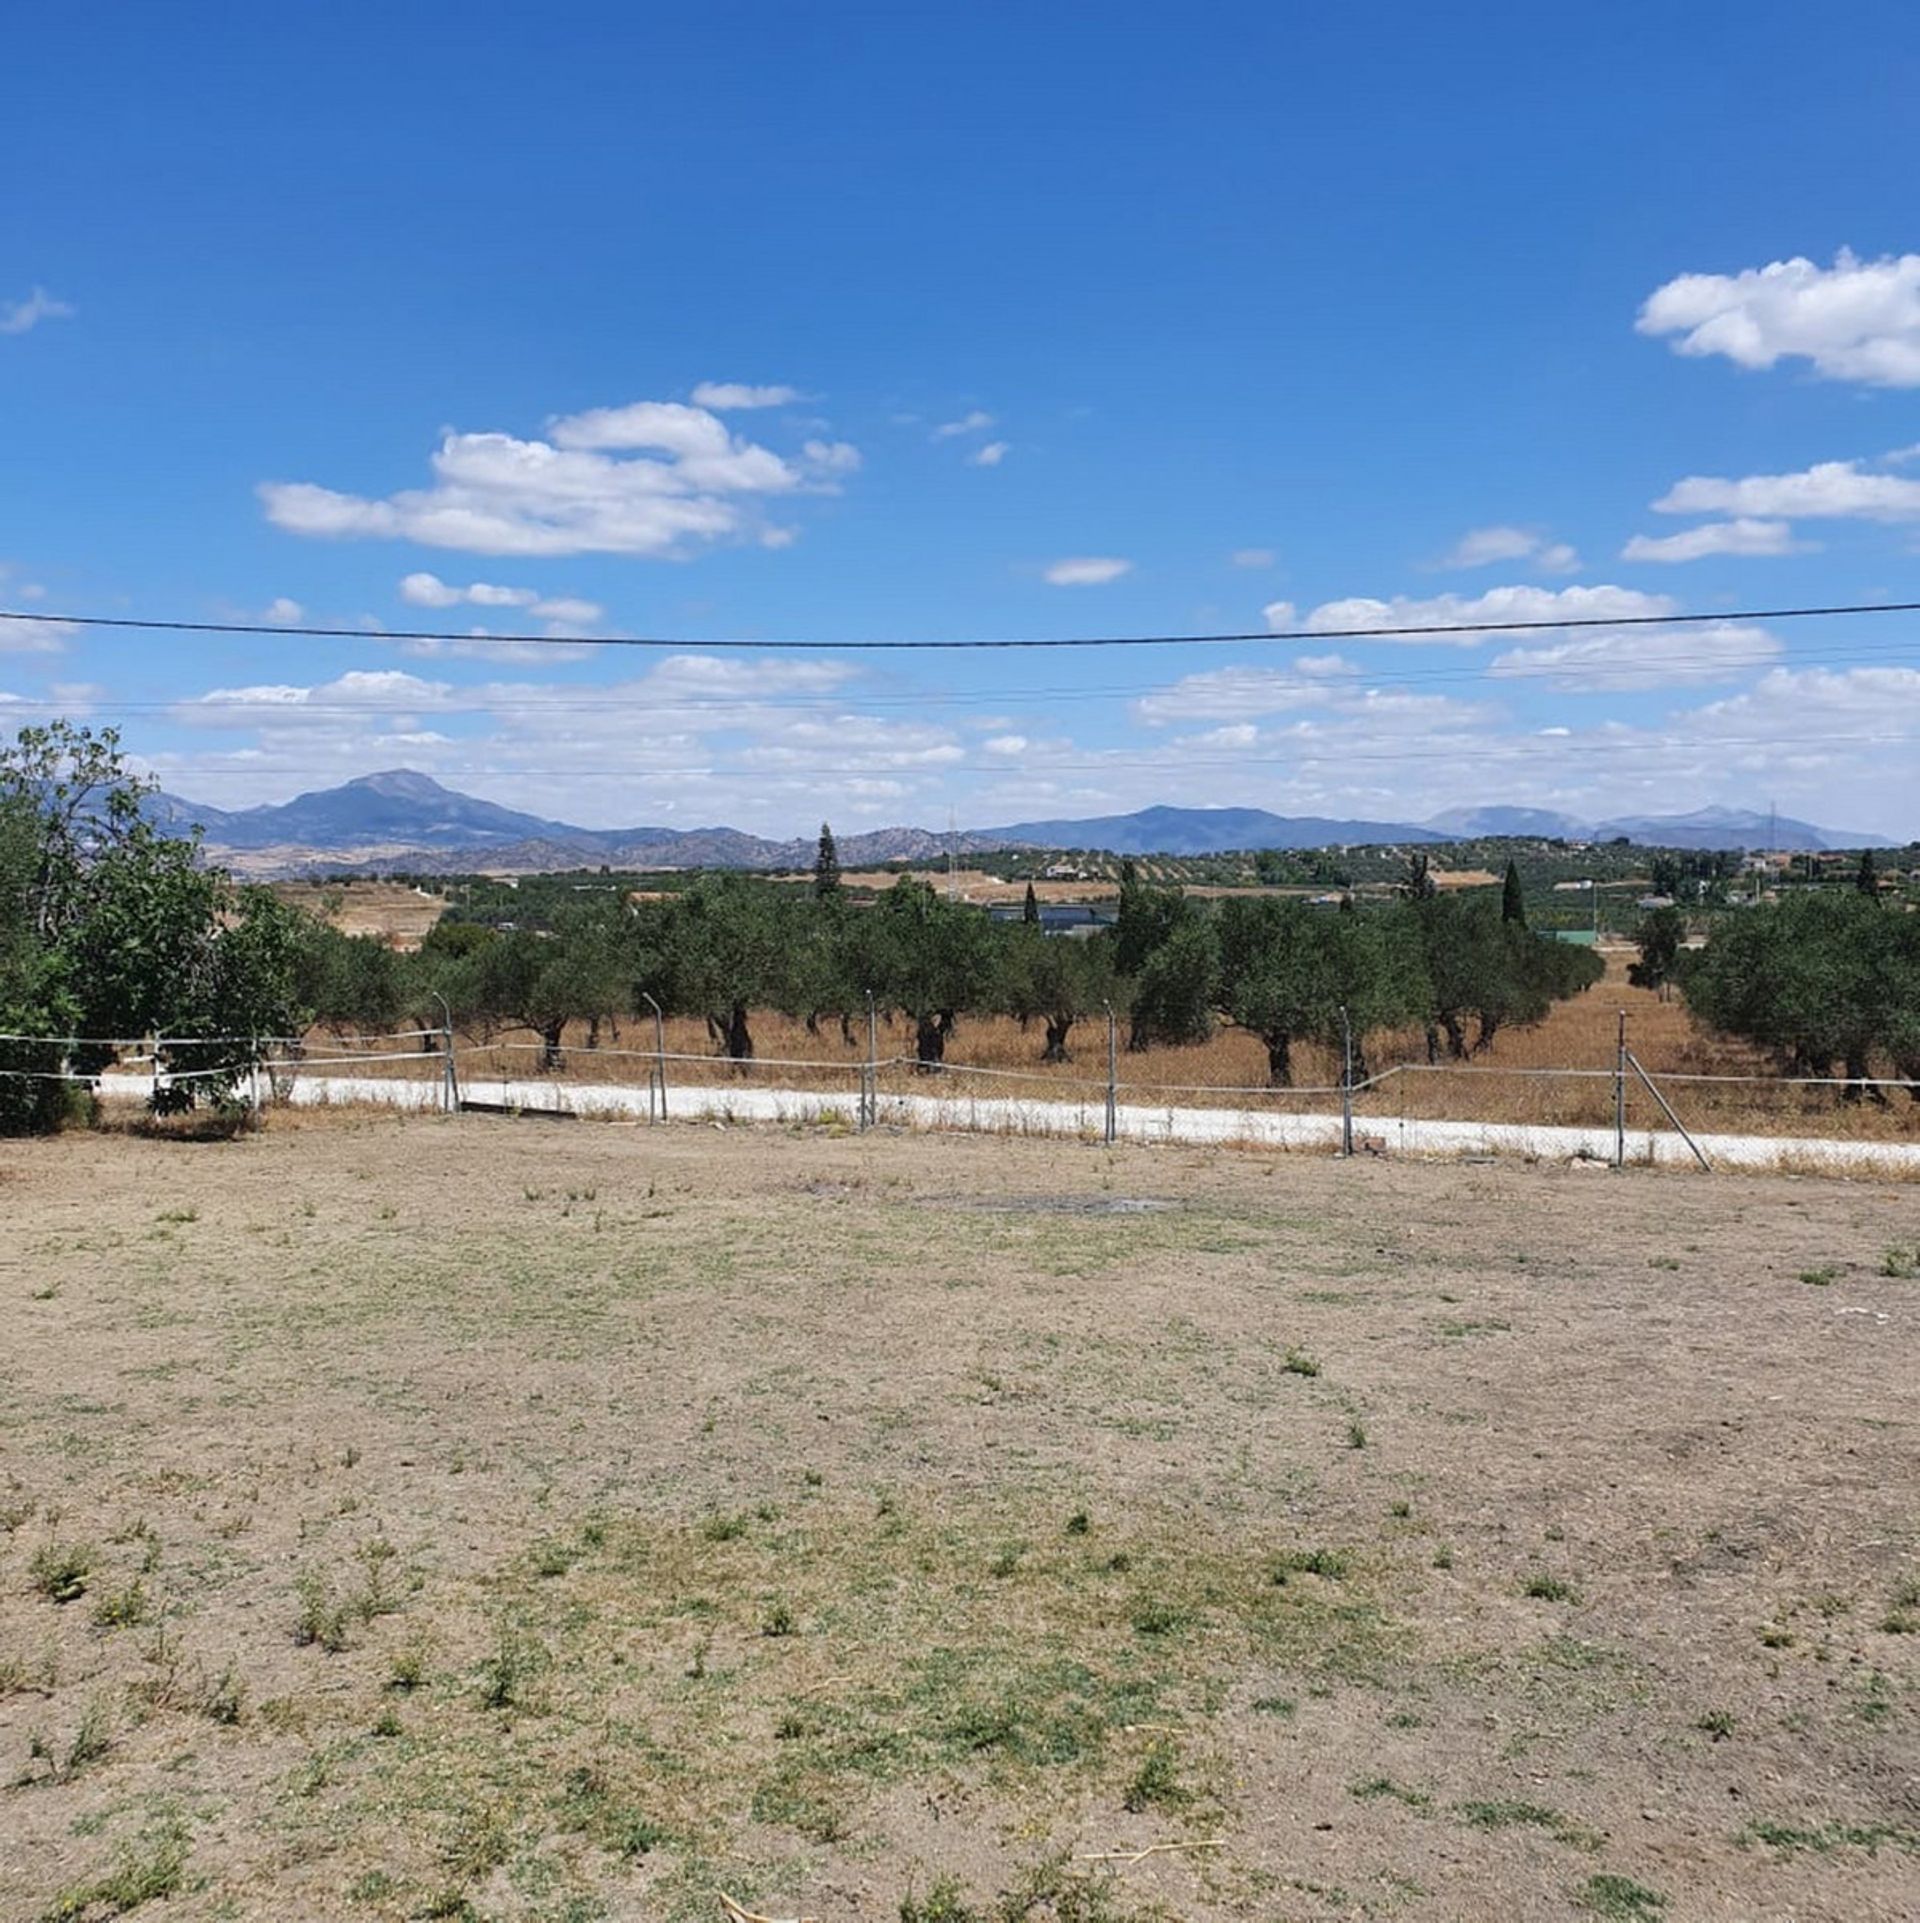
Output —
<point x="403" y="784"/>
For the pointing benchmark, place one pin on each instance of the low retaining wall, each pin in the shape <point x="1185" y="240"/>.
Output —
<point x="1396" y="1135"/>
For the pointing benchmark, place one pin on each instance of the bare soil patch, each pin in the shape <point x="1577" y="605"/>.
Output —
<point x="399" y="915"/>
<point x="462" y="1518"/>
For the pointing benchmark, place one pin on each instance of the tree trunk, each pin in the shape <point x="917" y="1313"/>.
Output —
<point x="1361" y="1072"/>
<point x="550" y="1034"/>
<point x="1456" y="1037"/>
<point x="1858" y="1069"/>
<point x="930" y="1038"/>
<point x="593" y="1031"/>
<point x="739" y="1040"/>
<point x="1433" y="1045"/>
<point x="1279" y="1060"/>
<point x="846" y="1029"/>
<point x="813" y="1021"/>
<point x="1059" y="1027"/>
<point x="1489" y="1027"/>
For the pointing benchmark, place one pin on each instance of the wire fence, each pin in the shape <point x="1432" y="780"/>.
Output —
<point x="1593" y="1111"/>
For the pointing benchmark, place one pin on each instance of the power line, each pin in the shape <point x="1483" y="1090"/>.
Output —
<point x="1427" y="630"/>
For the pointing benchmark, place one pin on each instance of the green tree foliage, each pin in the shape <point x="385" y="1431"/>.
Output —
<point x="1867" y="877"/>
<point x="350" y="982"/>
<point x="826" y="866"/>
<point x="1148" y="917"/>
<point x="1513" y="897"/>
<point x="1818" y="980"/>
<point x="721" y="949"/>
<point x="1659" y="936"/>
<point x="1057" y="981"/>
<point x="1173" y="990"/>
<point x="930" y="958"/>
<point x="1286" y="971"/>
<point x="1482" y="968"/>
<point x="116" y="930"/>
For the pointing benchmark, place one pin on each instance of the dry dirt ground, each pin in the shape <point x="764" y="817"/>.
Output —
<point x="475" y="1518"/>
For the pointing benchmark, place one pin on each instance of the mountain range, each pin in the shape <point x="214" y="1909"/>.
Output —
<point x="403" y="819"/>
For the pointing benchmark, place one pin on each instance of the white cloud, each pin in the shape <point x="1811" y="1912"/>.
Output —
<point x="1225" y="693"/>
<point x="18" y="636"/>
<point x="1498" y="606"/>
<point x="1279" y="615"/>
<point x="1829" y="490"/>
<point x="1858" y="320"/>
<point x="686" y="479"/>
<point x="1480" y="545"/>
<point x="1252" y="557"/>
<point x="725" y="395"/>
<point x="1643" y="658"/>
<point x="1741" y="537"/>
<point x="991" y="455"/>
<point x="424" y="590"/>
<point x="832" y="457"/>
<point x="975" y="421"/>
<point x="23" y="316"/>
<point x="1483" y="546"/>
<point x="1085" y="571"/>
<point x="283" y="611"/>
<point x="1006" y="744"/>
<point x="568" y="611"/>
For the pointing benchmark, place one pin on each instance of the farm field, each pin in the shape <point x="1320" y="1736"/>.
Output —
<point x="1503" y="1084"/>
<point x="521" y="1520"/>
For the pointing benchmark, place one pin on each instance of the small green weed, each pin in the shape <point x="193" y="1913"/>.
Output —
<point x="320" y="1620"/>
<point x="942" y="1903"/>
<point x="1156" y="1783"/>
<point x="1544" y="1588"/>
<point x="1331" y="1564"/>
<point x="1299" y="1362"/>
<point x="60" y="1570"/>
<point x="123" y="1609"/>
<point x="138" y="1880"/>
<point x="1820" y="1278"/>
<point x="1374" y="1787"/>
<point x="1619" y="1898"/>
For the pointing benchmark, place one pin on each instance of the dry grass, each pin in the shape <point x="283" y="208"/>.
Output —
<point x="399" y="915"/>
<point x="559" y="1525"/>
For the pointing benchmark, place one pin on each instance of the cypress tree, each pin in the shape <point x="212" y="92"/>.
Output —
<point x="1868" y="879"/>
<point x="1030" y="911"/>
<point x="1513" y="900"/>
<point x="826" y="866"/>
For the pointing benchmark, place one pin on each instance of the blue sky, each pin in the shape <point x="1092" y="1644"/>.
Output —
<point x="756" y="321"/>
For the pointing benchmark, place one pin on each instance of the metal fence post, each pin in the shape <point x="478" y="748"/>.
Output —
<point x="870" y="1070"/>
<point x="1113" y="1076"/>
<point x="1346" y="1084"/>
<point x="657" y="1081"/>
<point x="1620" y="1097"/>
<point x="449" y="1074"/>
<point x="1666" y="1109"/>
